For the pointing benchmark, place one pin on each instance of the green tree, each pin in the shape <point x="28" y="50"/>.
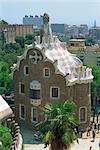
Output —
<point x="3" y="22"/>
<point x="59" y="129"/>
<point x="90" y="41"/>
<point x="95" y="88"/>
<point x="29" y="39"/>
<point x="5" y="138"/>
<point x="2" y="38"/>
<point x="11" y="47"/>
<point x="36" y="33"/>
<point x="5" y="79"/>
<point x="20" y="40"/>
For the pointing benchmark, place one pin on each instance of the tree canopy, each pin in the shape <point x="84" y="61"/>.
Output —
<point x="5" y="138"/>
<point x="8" y="54"/>
<point x="96" y="81"/>
<point x="5" y="79"/>
<point x="2" y="38"/>
<point x="3" y="22"/>
<point x="20" y="40"/>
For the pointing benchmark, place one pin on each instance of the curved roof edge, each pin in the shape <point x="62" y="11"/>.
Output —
<point x="69" y="80"/>
<point x="5" y="110"/>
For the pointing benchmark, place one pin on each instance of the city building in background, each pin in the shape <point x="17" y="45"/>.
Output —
<point x="58" y="28"/>
<point x="70" y="30"/>
<point x="37" y="21"/>
<point x="83" y="29"/>
<point x="95" y="33"/>
<point x="12" y="30"/>
<point x="77" y="42"/>
<point x="89" y="55"/>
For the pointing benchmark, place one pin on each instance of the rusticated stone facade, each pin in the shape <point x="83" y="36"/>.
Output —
<point x="31" y="74"/>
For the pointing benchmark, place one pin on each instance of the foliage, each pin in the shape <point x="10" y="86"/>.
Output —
<point x="20" y="40"/>
<point x="5" y="137"/>
<point x="90" y="41"/>
<point x="8" y="54"/>
<point x="3" y="22"/>
<point x="37" y="33"/>
<point x="11" y="47"/>
<point x="60" y="126"/>
<point x="29" y="39"/>
<point x="5" y="79"/>
<point x="22" y="147"/>
<point x="96" y="81"/>
<point x="8" y="57"/>
<point x="2" y="38"/>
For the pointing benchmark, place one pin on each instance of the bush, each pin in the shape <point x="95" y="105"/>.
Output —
<point x="22" y="147"/>
<point x="5" y="137"/>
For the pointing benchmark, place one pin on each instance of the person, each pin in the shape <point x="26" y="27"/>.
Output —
<point x="97" y="118"/>
<point x="88" y="131"/>
<point x="93" y="135"/>
<point x="99" y="145"/>
<point x="95" y="126"/>
<point x="98" y="127"/>
<point x="90" y="148"/>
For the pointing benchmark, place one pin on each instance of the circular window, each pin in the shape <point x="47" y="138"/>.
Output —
<point x="36" y="57"/>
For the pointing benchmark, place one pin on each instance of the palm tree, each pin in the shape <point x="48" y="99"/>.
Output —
<point x="59" y="127"/>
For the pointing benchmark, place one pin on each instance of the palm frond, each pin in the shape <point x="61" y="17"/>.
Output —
<point x="48" y="137"/>
<point x="60" y="123"/>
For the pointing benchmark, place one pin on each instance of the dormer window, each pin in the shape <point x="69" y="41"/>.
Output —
<point x="26" y="70"/>
<point x="46" y="72"/>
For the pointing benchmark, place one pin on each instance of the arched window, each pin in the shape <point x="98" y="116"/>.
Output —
<point x="35" y="90"/>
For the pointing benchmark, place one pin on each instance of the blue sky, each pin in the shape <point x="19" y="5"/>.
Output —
<point x="60" y="11"/>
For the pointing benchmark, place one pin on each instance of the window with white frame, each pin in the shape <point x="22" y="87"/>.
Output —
<point x="21" y="88"/>
<point x="26" y="70"/>
<point x="34" y="114"/>
<point x="46" y="72"/>
<point x="22" y="111"/>
<point x="55" y="92"/>
<point x="83" y="114"/>
<point x="35" y="89"/>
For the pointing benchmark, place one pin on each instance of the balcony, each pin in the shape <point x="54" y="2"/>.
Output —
<point x="35" y="102"/>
